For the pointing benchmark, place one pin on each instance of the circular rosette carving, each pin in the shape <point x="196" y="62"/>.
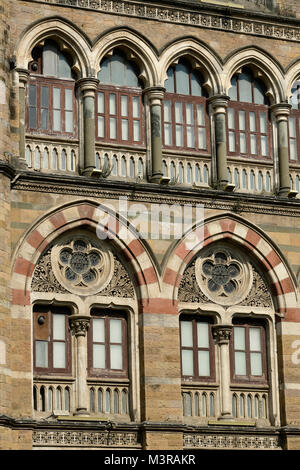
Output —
<point x="82" y="267"/>
<point x="225" y="277"/>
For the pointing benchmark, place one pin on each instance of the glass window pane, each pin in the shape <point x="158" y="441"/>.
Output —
<point x="203" y="363"/>
<point x="190" y="138"/>
<point x="231" y="123"/>
<point x="240" y="363"/>
<point x="116" y="359"/>
<point x="59" y="326"/>
<point x="264" y="145"/>
<point x="112" y="103"/>
<point x="182" y="80"/>
<point x="98" y="330"/>
<point x="169" y="82"/>
<point x="56" y="120"/>
<point x="100" y="103"/>
<point x="41" y="354"/>
<point x="243" y="144"/>
<point x="50" y="60"/>
<point x="168" y="134"/>
<point x="69" y="121"/>
<point x="231" y="141"/>
<point x="68" y="100"/>
<point x="201" y="138"/>
<point x="136" y="131"/>
<point x="242" y="121"/>
<point x="263" y="123"/>
<point x="117" y="67"/>
<point x="200" y="115"/>
<point x="202" y="334"/>
<point x="125" y="129"/>
<point x="44" y="96"/>
<point x="255" y="339"/>
<point x="136" y="107"/>
<point x="187" y="362"/>
<point x="44" y="119"/>
<point x="178" y="112"/>
<point x="253" y="144"/>
<point x="292" y="127"/>
<point x="124" y="105"/>
<point x="115" y="331"/>
<point x="186" y="333"/>
<point x="101" y="126"/>
<point x="179" y="136"/>
<point x="259" y="95"/>
<point x="189" y="110"/>
<point x="252" y="121"/>
<point x="99" y="356"/>
<point x="256" y="363"/>
<point x="167" y="111"/>
<point x="131" y="77"/>
<point x="113" y="128"/>
<point x="56" y="98"/>
<point x="232" y="92"/>
<point x="245" y="88"/>
<point x="32" y="95"/>
<point x="59" y="355"/>
<point x="239" y="337"/>
<point x="293" y="149"/>
<point x="32" y="118"/>
<point x="294" y="98"/>
<point x="196" y="85"/>
<point x="64" y="69"/>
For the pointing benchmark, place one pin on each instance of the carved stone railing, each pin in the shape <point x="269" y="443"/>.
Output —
<point x="250" y="404"/>
<point x="200" y="402"/>
<point x="252" y="177"/>
<point x="109" y="399"/>
<point x="53" y="396"/>
<point x="295" y="179"/>
<point x="121" y="164"/>
<point x="186" y="170"/>
<point x="48" y="155"/>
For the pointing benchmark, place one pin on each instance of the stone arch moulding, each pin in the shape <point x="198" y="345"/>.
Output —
<point x="73" y="215"/>
<point x="264" y="66"/>
<point x="137" y="50"/>
<point x="66" y="33"/>
<point x="280" y="277"/>
<point x="202" y="57"/>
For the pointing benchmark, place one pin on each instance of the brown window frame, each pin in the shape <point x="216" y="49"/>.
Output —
<point x="130" y="92"/>
<point x="52" y="82"/>
<point x="50" y="370"/>
<point x="107" y="372"/>
<point x="196" y="377"/>
<point x="248" y="378"/>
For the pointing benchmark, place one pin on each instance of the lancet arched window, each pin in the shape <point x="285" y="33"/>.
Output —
<point x="184" y="113"/>
<point x="294" y="123"/>
<point x="119" y="107"/>
<point x="248" y="124"/>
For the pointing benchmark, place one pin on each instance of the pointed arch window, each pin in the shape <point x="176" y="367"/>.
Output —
<point x="119" y="105"/>
<point x="294" y="124"/>
<point x="51" y="103"/>
<point x="248" y="123"/>
<point x="185" y="119"/>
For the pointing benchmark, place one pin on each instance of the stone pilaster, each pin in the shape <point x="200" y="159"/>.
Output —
<point x="281" y="113"/>
<point x="23" y="79"/>
<point x="222" y="335"/>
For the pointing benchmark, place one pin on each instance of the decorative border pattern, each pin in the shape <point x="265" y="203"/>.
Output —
<point x="210" y="441"/>
<point x="184" y="16"/>
<point x="85" y="439"/>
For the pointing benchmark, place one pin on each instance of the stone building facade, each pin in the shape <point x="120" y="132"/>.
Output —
<point x="150" y="224"/>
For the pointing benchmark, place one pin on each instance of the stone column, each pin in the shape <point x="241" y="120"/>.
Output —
<point x="88" y="87"/>
<point x="281" y="113"/>
<point x="155" y="97"/>
<point x="222" y="334"/>
<point x="23" y="79"/>
<point x="79" y="326"/>
<point x="219" y="108"/>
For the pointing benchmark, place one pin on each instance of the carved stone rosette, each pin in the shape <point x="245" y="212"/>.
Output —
<point x="79" y="325"/>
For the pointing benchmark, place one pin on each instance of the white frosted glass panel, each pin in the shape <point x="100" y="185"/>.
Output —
<point x="186" y="334"/>
<point x="231" y="141"/>
<point x="200" y="115"/>
<point x="99" y="356"/>
<point x="253" y="144"/>
<point x="190" y="138"/>
<point x="115" y="331"/>
<point x="256" y="364"/>
<point x="196" y="85"/>
<point x="44" y="119"/>
<point x="255" y="339"/>
<point x="68" y="100"/>
<point x="116" y="359"/>
<point x="41" y="354"/>
<point x="59" y="355"/>
<point x="239" y="337"/>
<point x="231" y="123"/>
<point x="201" y="138"/>
<point x="189" y="109"/>
<point x="168" y="134"/>
<point x="242" y="120"/>
<point x="50" y="55"/>
<point x="98" y="330"/>
<point x="104" y="74"/>
<point x="101" y="126"/>
<point x="59" y="327"/>
<point x="252" y="122"/>
<point x="259" y="95"/>
<point x="202" y="333"/>
<point x="69" y="121"/>
<point x="293" y="149"/>
<point x="240" y="363"/>
<point x="187" y="362"/>
<point x="169" y="83"/>
<point x="179" y="136"/>
<point x="124" y="105"/>
<point x="117" y="70"/>
<point x="245" y="88"/>
<point x="232" y="92"/>
<point x="292" y="127"/>
<point x="113" y="128"/>
<point x="112" y="103"/>
<point x="178" y="112"/>
<point x="125" y="130"/>
<point x="100" y="103"/>
<point x="182" y="80"/>
<point x="44" y="96"/>
<point x="136" y="131"/>
<point x="203" y="363"/>
<point x="56" y="98"/>
<point x="56" y="120"/>
<point x="32" y="118"/>
<point x="243" y="144"/>
<point x="32" y="95"/>
<point x="167" y="111"/>
<point x="264" y="145"/>
<point x="64" y="69"/>
<point x="263" y="123"/>
<point x="136" y="107"/>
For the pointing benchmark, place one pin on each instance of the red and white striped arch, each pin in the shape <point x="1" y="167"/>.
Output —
<point x="228" y="226"/>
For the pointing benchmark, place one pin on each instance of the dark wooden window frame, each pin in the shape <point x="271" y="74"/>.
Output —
<point x="248" y="378"/>
<point x="51" y="82"/>
<point x="130" y="92"/>
<point x="107" y="372"/>
<point x="50" y="370"/>
<point x="195" y="377"/>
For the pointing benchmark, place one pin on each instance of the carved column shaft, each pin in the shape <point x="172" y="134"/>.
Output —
<point x="281" y="113"/>
<point x="79" y="325"/>
<point x="222" y="334"/>
<point x="23" y="79"/>
<point x="155" y="97"/>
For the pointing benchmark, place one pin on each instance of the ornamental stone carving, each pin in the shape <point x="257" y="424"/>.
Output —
<point x="79" y="325"/>
<point x="222" y="333"/>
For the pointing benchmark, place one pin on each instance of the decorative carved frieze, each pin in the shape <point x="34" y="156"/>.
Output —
<point x="85" y="439"/>
<point x="44" y="279"/>
<point x="259" y="296"/>
<point x="228" y="441"/>
<point x="186" y="17"/>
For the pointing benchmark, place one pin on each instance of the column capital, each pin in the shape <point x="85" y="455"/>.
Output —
<point x="281" y="111"/>
<point x="222" y="333"/>
<point x="23" y="77"/>
<point x="79" y="324"/>
<point x="88" y="85"/>
<point x="155" y="94"/>
<point x="219" y="103"/>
